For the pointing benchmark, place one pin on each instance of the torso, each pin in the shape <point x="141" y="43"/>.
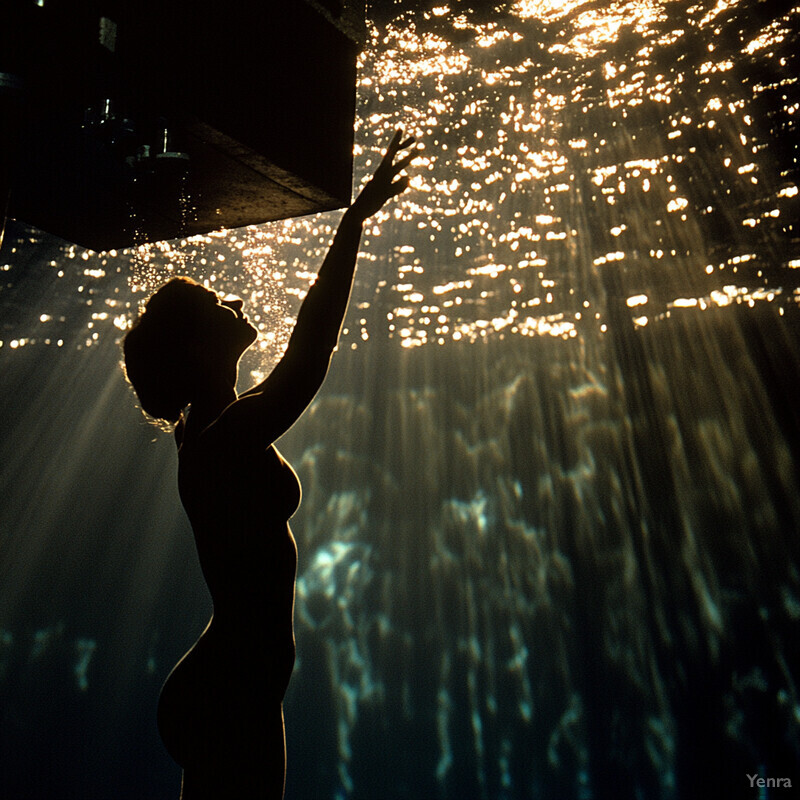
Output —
<point x="224" y="697"/>
<point x="239" y="506"/>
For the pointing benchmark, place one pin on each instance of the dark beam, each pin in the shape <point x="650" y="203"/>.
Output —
<point x="257" y="101"/>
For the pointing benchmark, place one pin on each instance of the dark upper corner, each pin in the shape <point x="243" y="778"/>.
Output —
<point x="245" y="108"/>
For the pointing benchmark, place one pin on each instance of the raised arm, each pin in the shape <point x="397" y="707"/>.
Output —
<point x="269" y="409"/>
<point x="320" y="318"/>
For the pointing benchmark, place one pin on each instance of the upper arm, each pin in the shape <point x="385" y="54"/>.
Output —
<point x="268" y="410"/>
<point x="265" y="412"/>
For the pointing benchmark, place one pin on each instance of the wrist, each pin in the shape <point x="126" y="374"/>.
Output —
<point x="354" y="216"/>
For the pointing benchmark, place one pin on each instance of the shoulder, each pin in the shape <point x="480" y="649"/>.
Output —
<point x="231" y="433"/>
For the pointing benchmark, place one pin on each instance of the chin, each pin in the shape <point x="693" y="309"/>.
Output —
<point x="252" y="334"/>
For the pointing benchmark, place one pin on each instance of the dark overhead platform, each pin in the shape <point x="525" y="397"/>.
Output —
<point x="145" y="120"/>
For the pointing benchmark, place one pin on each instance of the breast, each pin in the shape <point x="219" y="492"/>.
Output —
<point x="261" y="488"/>
<point x="239" y="507"/>
<point x="286" y="488"/>
<point x="242" y="489"/>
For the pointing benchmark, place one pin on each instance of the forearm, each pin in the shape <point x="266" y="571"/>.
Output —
<point x="322" y="313"/>
<point x="271" y="408"/>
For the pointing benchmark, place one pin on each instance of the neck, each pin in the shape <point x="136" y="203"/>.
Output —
<point x="209" y="404"/>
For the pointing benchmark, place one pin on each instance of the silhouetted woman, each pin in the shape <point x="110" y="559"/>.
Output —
<point x="220" y="713"/>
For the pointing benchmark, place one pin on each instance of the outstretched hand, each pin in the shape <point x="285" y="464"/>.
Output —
<point x="385" y="183"/>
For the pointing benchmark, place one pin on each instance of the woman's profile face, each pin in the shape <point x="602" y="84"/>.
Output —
<point x="229" y="323"/>
<point x="222" y="329"/>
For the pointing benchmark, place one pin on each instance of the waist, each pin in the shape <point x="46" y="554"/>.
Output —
<point x="255" y="663"/>
<point x="271" y="640"/>
<point x="254" y="565"/>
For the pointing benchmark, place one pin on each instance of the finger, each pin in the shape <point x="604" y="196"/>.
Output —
<point x="406" y="143"/>
<point x="404" y="162"/>
<point x="399" y="186"/>
<point x="391" y="152"/>
<point x="394" y="145"/>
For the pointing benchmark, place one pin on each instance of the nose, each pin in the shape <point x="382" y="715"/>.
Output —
<point x="235" y="303"/>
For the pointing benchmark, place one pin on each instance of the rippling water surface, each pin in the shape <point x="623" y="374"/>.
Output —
<point x="548" y="539"/>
